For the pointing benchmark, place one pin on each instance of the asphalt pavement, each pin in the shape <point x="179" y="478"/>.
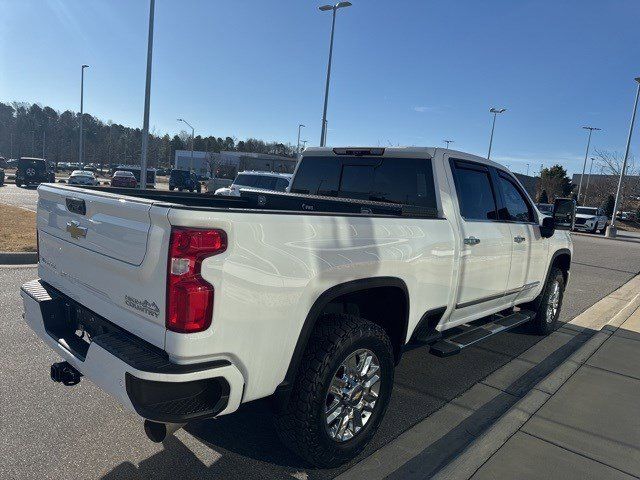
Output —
<point x="51" y="431"/>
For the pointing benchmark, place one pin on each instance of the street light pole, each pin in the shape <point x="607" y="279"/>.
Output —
<point x="586" y="155"/>
<point x="447" y="142"/>
<point x="81" y="113"/>
<point x="495" y="112"/>
<point x="611" y="229"/>
<point x="299" y="127"/>
<point x="586" y="189"/>
<point x="147" y="100"/>
<point x="193" y="137"/>
<point x="334" y="9"/>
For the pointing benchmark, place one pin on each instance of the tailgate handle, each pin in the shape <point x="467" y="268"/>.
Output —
<point x="76" y="205"/>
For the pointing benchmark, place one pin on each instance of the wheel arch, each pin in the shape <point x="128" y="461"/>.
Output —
<point x="359" y="291"/>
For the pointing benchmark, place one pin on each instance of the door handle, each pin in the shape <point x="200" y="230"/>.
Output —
<point x="471" y="241"/>
<point x="519" y="239"/>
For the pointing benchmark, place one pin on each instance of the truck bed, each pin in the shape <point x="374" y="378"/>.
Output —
<point x="274" y="202"/>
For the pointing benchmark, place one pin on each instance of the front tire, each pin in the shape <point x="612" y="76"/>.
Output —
<point x="341" y="391"/>
<point x="548" y="304"/>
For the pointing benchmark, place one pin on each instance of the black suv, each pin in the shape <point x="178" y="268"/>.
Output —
<point x="33" y="171"/>
<point x="184" y="180"/>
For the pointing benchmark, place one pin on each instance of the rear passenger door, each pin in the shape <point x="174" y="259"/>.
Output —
<point x="486" y="250"/>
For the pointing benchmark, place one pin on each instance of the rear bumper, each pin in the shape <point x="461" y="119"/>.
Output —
<point x="138" y="374"/>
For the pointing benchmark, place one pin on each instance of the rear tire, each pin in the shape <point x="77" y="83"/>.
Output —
<point x="339" y="398"/>
<point x="548" y="304"/>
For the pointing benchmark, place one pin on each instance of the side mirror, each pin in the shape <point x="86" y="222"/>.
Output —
<point x="548" y="227"/>
<point x="564" y="213"/>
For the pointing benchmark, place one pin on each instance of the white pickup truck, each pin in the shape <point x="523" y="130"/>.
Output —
<point x="185" y="306"/>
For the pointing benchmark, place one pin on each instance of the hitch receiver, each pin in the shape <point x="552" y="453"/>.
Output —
<point x="63" y="372"/>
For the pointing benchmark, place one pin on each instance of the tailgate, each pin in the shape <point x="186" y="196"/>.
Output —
<point x="107" y="225"/>
<point x="93" y="247"/>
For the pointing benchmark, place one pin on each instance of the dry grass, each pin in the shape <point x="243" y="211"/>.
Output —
<point x="17" y="229"/>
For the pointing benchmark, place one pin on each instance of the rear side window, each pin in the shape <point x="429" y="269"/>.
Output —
<point x="516" y="206"/>
<point x="475" y="194"/>
<point x="407" y="181"/>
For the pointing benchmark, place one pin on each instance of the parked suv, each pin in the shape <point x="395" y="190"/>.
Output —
<point x="278" y="182"/>
<point x="33" y="171"/>
<point x="184" y="308"/>
<point x="591" y="219"/>
<point x="184" y="180"/>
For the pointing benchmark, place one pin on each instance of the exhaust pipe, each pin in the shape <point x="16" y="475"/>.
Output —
<point x="157" y="432"/>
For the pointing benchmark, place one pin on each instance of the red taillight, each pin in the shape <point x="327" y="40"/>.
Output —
<point x="189" y="296"/>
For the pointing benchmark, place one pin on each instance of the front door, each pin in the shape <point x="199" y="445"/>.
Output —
<point x="486" y="249"/>
<point x="528" y="257"/>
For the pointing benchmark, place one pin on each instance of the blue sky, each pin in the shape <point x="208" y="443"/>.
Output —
<point x="408" y="72"/>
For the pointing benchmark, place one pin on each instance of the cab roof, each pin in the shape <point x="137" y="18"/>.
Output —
<point x="396" y="152"/>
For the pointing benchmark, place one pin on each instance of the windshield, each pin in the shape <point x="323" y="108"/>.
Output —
<point x="587" y="211"/>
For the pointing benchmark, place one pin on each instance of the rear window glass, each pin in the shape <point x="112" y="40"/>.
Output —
<point x="407" y="181"/>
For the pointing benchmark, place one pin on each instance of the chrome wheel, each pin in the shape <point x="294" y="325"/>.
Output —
<point x="553" y="304"/>
<point x="352" y="395"/>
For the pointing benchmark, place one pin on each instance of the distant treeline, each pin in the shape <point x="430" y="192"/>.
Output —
<point x="25" y="128"/>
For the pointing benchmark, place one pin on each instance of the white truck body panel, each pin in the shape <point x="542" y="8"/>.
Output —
<point x="276" y="265"/>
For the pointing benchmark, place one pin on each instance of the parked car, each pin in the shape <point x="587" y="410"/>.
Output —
<point x="1" y="177"/>
<point x="590" y="219"/>
<point x="545" y="208"/>
<point x="306" y="298"/>
<point x="33" y="171"/>
<point x="278" y="182"/>
<point x="124" y="178"/>
<point x="184" y="180"/>
<point x="82" y="177"/>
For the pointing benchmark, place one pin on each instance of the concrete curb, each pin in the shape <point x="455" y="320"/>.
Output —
<point x="18" y="258"/>
<point x="478" y="452"/>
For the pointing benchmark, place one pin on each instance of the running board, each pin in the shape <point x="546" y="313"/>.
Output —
<point x="473" y="334"/>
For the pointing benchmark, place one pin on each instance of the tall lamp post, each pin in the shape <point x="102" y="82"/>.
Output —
<point x="447" y="142"/>
<point x="334" y="9"/>
<point x="193" y="137"/>
<point x="495" y="112"/>
<point x="299" y="127"/>
<point x="611" y="229"/>
<point x="81" y="114"/>
<point x="586" y="155"/>
<point x="147" y="100"/>
<point x="586" y="188"/>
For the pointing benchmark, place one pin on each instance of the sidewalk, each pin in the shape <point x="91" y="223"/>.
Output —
<point x="581" y="422"/>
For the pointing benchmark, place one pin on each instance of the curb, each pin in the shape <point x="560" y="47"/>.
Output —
<point x="18" y="258"/>
<point x="483" y="448"/>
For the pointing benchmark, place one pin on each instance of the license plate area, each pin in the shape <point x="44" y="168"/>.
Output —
<point x="72" y="325"/>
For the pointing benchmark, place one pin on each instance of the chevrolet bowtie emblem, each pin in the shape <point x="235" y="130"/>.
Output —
<point x="76" y="230"/>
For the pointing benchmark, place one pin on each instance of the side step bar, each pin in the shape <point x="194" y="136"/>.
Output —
<point x="471" y="334"/>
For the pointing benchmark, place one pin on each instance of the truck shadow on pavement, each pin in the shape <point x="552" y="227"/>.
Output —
<point x="245" y="445"/>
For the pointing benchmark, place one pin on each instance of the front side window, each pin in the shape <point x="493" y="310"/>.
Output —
<point x="244" y="180"/>
<point x="475" y="194"/>
<point x="516" y="206"/>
